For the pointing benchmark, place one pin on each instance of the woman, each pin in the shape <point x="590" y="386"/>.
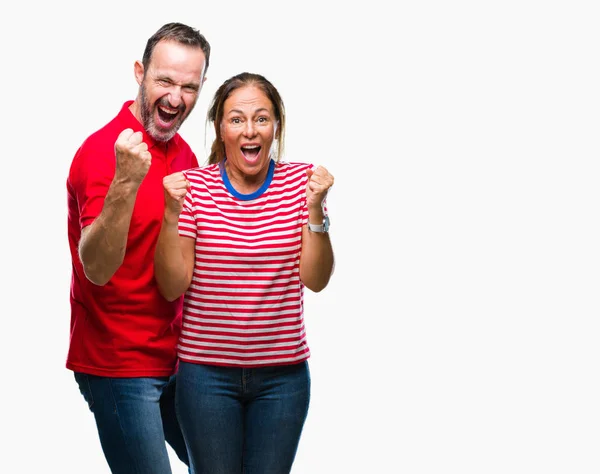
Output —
<point x="242" y="237"/>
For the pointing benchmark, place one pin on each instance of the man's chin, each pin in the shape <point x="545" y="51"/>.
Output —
<point x="163" y="134"/>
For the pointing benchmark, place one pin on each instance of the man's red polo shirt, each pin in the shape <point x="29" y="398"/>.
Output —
<point x="124" y="328"/>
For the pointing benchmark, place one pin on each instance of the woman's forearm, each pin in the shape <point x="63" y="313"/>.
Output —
<point x="316" y="260"/>
<point x="173" y="272"/>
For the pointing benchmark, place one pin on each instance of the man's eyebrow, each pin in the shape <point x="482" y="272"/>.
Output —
<point x="193" y="85"/>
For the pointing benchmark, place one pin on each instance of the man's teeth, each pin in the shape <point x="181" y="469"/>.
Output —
<point x="168" y="111"/>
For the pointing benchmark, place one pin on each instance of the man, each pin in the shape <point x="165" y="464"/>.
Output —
<point x="123" y="332"/>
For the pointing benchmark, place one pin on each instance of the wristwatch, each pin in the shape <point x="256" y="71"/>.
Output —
<point x="324" y="227"/>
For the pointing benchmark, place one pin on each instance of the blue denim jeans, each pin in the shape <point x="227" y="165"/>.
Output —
<point x="134" y="417"/>
<point x="237" y="420"/>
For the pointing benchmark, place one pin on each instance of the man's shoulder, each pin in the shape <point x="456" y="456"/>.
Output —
<point x="96" y="149"/>
<point x="107" y="134"/>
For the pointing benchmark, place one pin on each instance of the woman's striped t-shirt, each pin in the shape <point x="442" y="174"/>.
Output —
<point x="244" y="306"/>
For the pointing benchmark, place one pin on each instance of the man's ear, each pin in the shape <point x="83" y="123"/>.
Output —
<point x="138" y="70"/>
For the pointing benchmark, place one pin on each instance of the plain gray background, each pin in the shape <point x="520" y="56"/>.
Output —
<point x="460" y="330"/>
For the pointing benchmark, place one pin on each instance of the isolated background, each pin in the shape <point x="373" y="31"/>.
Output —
<point x="460" y="331"/>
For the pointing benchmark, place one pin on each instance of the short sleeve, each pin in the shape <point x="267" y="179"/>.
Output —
<point x="90" y="178"/>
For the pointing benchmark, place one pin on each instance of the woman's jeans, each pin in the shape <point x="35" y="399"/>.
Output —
<point x="238" y="420"/>
<point x="134" y="417"/>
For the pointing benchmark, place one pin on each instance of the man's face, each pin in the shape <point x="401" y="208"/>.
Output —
<point x="169" y="88"/>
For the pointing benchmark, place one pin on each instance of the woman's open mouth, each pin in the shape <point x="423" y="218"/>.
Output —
<point x="251" y="152"/>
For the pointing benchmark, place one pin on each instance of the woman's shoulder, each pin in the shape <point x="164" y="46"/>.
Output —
<point x="292" y="167"/>
<point x="294" y="164"/>
<point x="205" y="171"/>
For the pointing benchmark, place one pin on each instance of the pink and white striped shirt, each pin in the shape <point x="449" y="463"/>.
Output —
<point x="244" y="306"/>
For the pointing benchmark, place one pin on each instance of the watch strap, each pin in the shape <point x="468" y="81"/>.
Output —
<point x="316" y="227"/>
<point x="320" y="228"/>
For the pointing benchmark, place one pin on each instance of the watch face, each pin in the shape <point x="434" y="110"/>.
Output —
<point x="326" y="223"/>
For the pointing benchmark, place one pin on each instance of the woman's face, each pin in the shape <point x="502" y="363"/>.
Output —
<point x="248" y="130"/>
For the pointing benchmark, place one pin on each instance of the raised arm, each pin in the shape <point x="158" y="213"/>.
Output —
<point x="316" y="258"/>
<point x="174" y="257"/>
<point x="103" y="243"/>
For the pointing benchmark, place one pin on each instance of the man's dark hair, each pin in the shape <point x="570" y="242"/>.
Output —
<point x="180" y="33"/>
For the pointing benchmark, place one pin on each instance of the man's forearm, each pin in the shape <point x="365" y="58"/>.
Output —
<point x="103" y="243"/>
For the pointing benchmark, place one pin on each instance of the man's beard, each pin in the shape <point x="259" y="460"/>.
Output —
<point x="146" y="111"/>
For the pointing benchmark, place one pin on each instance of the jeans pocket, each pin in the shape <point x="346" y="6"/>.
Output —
<point x="83" y="380"/>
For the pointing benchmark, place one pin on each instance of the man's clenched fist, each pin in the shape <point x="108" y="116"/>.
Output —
<point x="133" y="157"/>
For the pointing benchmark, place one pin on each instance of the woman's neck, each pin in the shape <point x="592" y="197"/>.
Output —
<point x="245" y="183"/>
